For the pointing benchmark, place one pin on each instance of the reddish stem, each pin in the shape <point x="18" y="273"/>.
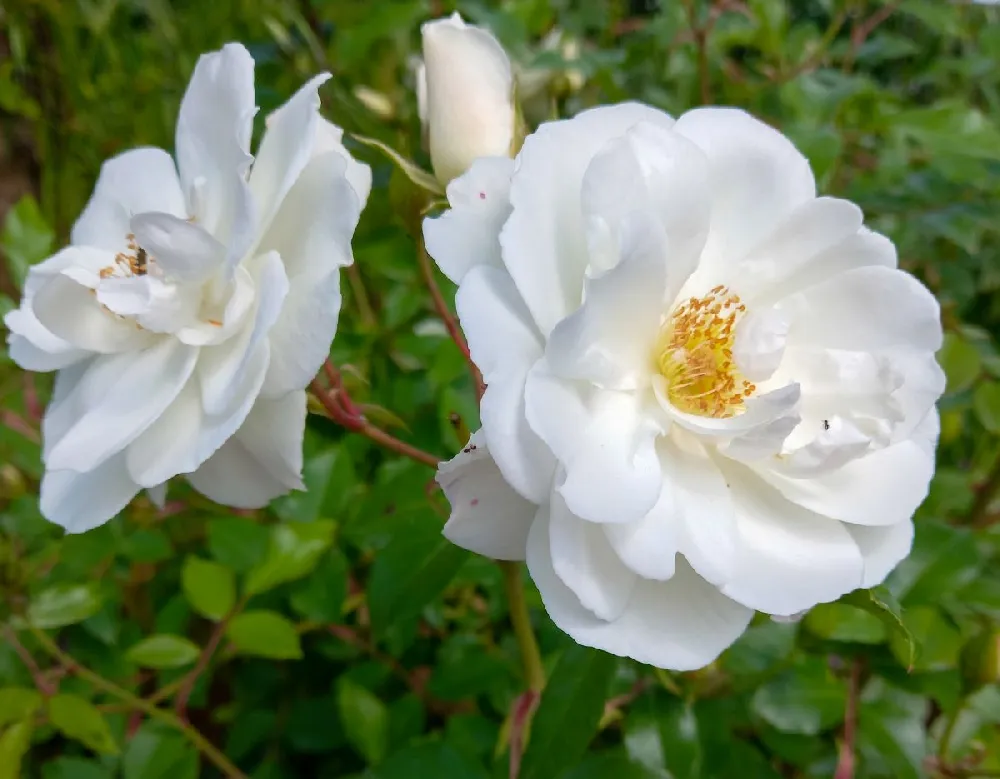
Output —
<point x="524" y="707"/>
<point x="45" y="687"/>
<point x="845" y="764"/>
<point x="189" y="681"/>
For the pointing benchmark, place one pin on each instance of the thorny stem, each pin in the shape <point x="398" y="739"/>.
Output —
<point x="356" y="423"/>
<point x="845" y="763"/>
<point x="531" y="658"/>
<point x="217" y="758"/>
<point x="427" y="270"/>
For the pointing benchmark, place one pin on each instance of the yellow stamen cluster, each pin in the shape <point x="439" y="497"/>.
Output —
<point x="134" y="262"/>
<point x="695" y="354"/>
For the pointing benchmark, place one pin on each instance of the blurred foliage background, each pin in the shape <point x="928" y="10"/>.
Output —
<point x="336" y="634"/>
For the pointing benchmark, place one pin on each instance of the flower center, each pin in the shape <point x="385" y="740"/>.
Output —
<point x="134" y="262"/>
<point x="694" y="353"/>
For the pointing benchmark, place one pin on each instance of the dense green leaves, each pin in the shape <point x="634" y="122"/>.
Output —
<point x="293" y="552"/>
<point x="163" y="651"/>
<point x="210" y="588"/>
<point x="365" y="718"/>
<point x="570" y="709"/>
<point x="64" y="604"/>
<point x="78" y="719"/>
<point x="264" y="634"/>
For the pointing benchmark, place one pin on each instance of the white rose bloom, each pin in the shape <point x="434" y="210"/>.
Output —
<point x="709" y="390"/>
<point x="194" y="305"/>
<point x="465" y="94"/>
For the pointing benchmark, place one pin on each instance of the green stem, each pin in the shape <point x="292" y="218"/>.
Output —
<point x="531" y="658"/>
<point x="216" y="757"/>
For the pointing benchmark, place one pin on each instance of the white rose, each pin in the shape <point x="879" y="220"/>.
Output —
<point x="465" y="91"/>
<point x="709" y="390"/>
<point x="193" y="306"/>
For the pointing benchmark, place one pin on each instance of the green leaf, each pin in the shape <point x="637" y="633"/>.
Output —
<point x="960" y="361"/>
<point x="237" y="543"/>
<point x="210" y="588"/>
<point x="569" y="712"/>
<point x="75" y="768"/>
<point x="413" y="172"/>
<point x="879" y="602"/>
<point x="64" y="604"/>
<point x="163" y="651"/>
<point x="321" y="597"/>
<point x="157" y="753"/>
<point x="806" y="699"/>
<point x="986" y="402"/>
<point x="294" y="550"/>
<point x="14" y="744"/>
<point x="79" y="720"/>
<point x="427" y="761"/>
<point x="412" y="570"/>
<point x="365" y="720"/>
<point x="26" y="238"/>
<point x="891" y="735"/>
<point x="264" y="634"/>
<point x="938" y="643"/>
<point x="842" y="622"/>
<point x="18" y="703"/>
<point x="662" y="732"/>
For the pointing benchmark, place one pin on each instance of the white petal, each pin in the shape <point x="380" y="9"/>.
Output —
<point x="470" y="95"/>
<point x="120" y="396"/>
<point x="312" y="233"/>
<point x="654" y="170"/>
<point x="134" y="182"/>
<point x="648" y="546"/>
<point x="839" y="442"/>
<point x="329" y="138"/>
<point x="221" y="369"/>
<point x="65" y="406"/>
<point x="286" y="148"/>
<point x="155" y="305"/>
<point x="865" y="309"/>
<point x="681" y="624"/>
<point x="799" y="250"/>
<point x="182" y="250"/>
<point x="758" y="411"/>
<point x="272" y="435"/>
<point x="213" y="139"/>
<point x="788" y="559"/>
<point x="33" y="347"/>
<point x="881" y="488"/>
<point x="758" y="179"/>
<point x="609" y="339"/>
<point x="883" y="548"/>
<point x="760" y="343"/>
<point x="158" y="495"/>
<point x="468" y="234"/>
<point x="168" y="447"/>
<point x="583" y="559"/>
<point x="707" y="533"/>
<point x="487" y="516"/>
<point x="545" y="239"/>
<point x="504" y="344"/>
<point x="605" y="442"/>
<point x="233" y="477"/>
<point x="81" y="501"/>
<point x="764" y="441"/>
<point x="71" y="312"/>
<point x="228" y="302"/>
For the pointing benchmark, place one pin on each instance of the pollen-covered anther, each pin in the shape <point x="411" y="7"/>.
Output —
<point x="694" y="353"/>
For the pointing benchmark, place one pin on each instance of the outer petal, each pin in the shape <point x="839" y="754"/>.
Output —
<point x="487" y="516"/>
<point x="504" y="344"/>
<point x="469" y="233"/>
<point x="682" y="624"/>
<point x="286" y="148"/>
<point x="312" y="233"/>
<point x="119" y="398"/>
<point x="545" y="239"/>
<point x="865" y="309"/>
<point x="609" y="339"/>
<point x="585" y="562"/>
<point x="758" y="179"/>
<point x="329" y="138"/>
<point x="134" y="182"/>
<point x="33" y="347"/>
<point x="605" y="442"/>
<point x="881" y="488"/>
<point x="883" y="548"/>
<point x="81" y="501"/>
<point x="262" y="461"/>
<point x="788" y="559"/>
